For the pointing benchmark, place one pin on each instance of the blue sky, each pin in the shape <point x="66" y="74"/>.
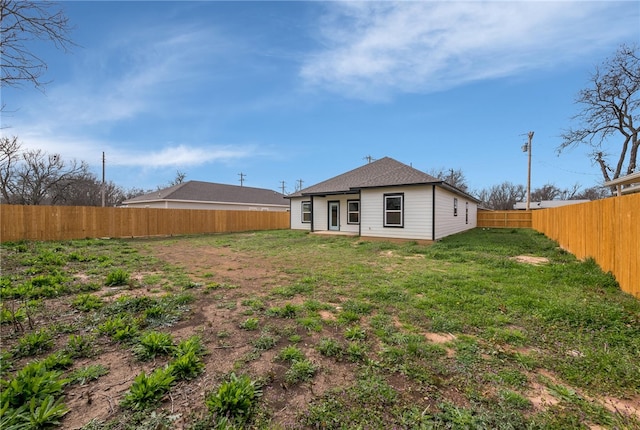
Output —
<point x="283" y="91"/>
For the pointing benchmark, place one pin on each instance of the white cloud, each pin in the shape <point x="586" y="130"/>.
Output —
<point x="375" y="49"/>
<point x="182" y="155"/>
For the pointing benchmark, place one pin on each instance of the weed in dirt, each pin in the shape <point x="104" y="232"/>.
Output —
<point x="300" y="371"/>
<point x="290" y="354"/>
<point x="250" y="324"/>
<point x="186" y="366"/>
<point x="147" y="391"/>
<point x="264" y="342"/>
<point x="87" y="302"/>
<point x="31" y="344"/>
<point x="81" y="346"/>
<point x="330" y="347"/>
<point x="153" y="343"/>
<point x="87" y="374"/>
<point x="117" y="278"/>
<point x="235" y="400"/>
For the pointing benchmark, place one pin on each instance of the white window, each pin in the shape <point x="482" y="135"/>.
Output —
<point x="393" y="210"/>
<point x="306" y="211"/>
<point x="353" y="211"/>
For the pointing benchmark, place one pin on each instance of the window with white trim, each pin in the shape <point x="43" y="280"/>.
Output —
<point x="306" y="211"/>
<point x="393" y="210"/>
<point x="353" y="211"/>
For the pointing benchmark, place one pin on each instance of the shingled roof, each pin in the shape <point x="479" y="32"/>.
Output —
<point x="198" y="191"/>
<point x="380" y="173"/>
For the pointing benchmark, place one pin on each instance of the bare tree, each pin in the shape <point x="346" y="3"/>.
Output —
<point x="178" y="179"/>
<point x="451" y="177"/>
<point x="21" y="23"/>
<point x="592" y="193"/>
<point x="10" y="154"/>
<point x="503" y="196"/>
<point x="610" y="112"/>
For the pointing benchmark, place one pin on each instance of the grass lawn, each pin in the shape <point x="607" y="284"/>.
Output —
<point x="283" y="329"/>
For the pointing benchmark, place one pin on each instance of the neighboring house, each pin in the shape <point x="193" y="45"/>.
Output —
<point x="386" y="199"/>
<point x="208" y="195"/>
<point x="546" y="204"/>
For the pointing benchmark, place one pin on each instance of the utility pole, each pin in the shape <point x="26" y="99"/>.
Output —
<point x="369" y="159"/>
<point x="282" y="186"/>
<point x="527" y="148"/>
<point x="299" y="184"/>
<point x="102" y="190"/>
<point x="242" y="176"/>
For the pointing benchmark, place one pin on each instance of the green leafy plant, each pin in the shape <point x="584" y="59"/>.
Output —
<point x="88" y="373"/>
<point x="33" y="381"/>
<point x="87" y="302"/>
<point x="46" y="413"/>
<point x="186" y="366"/>
<point x="148" y="390"/>
<point x="264" y="342"/>
<point x="290" y="354"/>
<point x="80" y="346"/>
<point x="300" y="371"/>
<point x="59" y="360"/>
<point x="235" y="399"/>
<point x="116" y="278"/>
<point x="34" y="343"/>
<point x="329" y="347"/>
<point x="153" y="343"/>
<point x="250" y="324"/>
<point x="191" y="344"/>
<point x="355" y="333"/>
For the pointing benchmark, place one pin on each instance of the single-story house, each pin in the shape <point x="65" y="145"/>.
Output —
<point x="384" y="199"/>
<point x="208" y="195"/>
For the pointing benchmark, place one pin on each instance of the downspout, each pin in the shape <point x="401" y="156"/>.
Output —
<point x="360" y="212"/>
<point x="433" y="213"/>
<point x="312" y="214"/>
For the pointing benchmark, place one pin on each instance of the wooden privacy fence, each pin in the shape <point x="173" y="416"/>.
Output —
<point x="504" y="219"/>
<point x="79" y="222"/>
<point x="607" y="230"/>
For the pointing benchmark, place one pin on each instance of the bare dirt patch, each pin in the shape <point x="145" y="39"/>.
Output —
<point x="216" y="317"/>
<point x="530" y="259"/>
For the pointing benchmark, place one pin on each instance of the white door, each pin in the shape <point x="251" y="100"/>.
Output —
<point x="334" y="216"/>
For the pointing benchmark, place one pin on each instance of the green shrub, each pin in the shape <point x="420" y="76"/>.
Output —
<point x="235" y="399"/>
<point x="116" y="278"/>
<point x="146" y="390"/>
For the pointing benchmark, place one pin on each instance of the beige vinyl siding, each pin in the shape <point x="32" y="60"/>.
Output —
<point x="446" y="222"/>
<point x="296" y="214"/>
<point x="416" y="212"/>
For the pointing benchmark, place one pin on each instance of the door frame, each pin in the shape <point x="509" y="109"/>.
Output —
<point x="330" y="205"/>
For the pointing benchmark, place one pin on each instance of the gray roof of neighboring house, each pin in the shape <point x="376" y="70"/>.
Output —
<point x="198" y="191"/>
<point x="384" y="172"/>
